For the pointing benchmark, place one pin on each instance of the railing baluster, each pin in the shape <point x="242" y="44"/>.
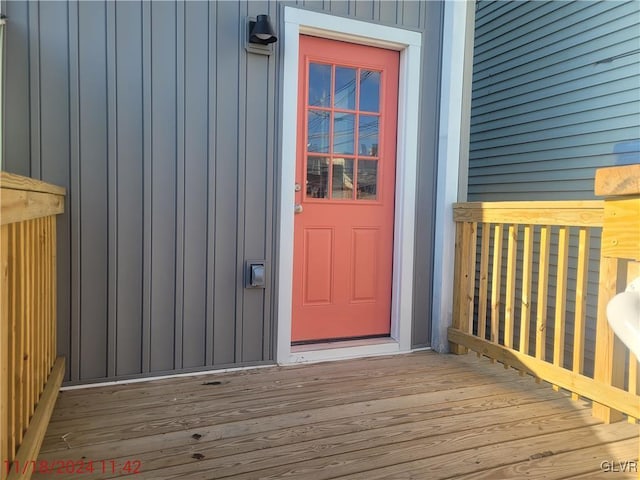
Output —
<point x="21" y="384"/>
<point x="54" y="289"/>
<point x="510" y="294"/>
<point x="42" y="361"/>
<point x="543" y="285"/>
<point x="28" y="401"/>
<point x="484" y="280"/>
<point x="609" y="361"/>
<point x="525" y="308"/>
<point x="35" y="353"/>
<point x="33" y="324"/>
<point x="42" y="302"/>
<point x="469" y="274"/>
<point x="495" y="283"/>
<point x="561" y="298"/>
<point x="47" y="297"/>
<point x="5" y="371"/>
<point x="457" y="287"/>
<point x="13" y="339"/>
<point x="582" y="277"/>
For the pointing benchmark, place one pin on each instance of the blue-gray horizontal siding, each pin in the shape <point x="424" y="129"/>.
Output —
<point x="166" y="134"/>
<point x="556" y="87"/>
<point x="556" y="90"/>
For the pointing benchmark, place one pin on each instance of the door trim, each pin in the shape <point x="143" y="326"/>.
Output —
<point x="409" y="44"/>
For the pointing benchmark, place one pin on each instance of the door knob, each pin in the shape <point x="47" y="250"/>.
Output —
<point x="297" y="208"/>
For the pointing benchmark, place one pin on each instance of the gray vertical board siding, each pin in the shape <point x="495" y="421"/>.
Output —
<point x="54" y="134"/>
<point x="339" y="7"/>
<point x="241" y="231"/>
<point x="17" y="151"/>
<point x="411" y="13"/>
<point x="432" y="16"/>
<point x="73" y="199"/>
<point x="34" y="88"/>
<point x="163" y="185"/>
<point x="147" y="152"/>
<point x="129" y="207"/>
<point x="271" y="198"/>
<point x="93" y="190"/>
<point x="112" y="190"/>
<point x="180" y="186"/>
<point x="314" y="4"/>
<point x="195" y="182"/>
<point x="211" y="103"/>
<point x="388" y="12"/>
<point x="256" y="155"/>
<point x="226" y="182"/>
<point x="167" y="135"/>
<point x="365" y="9"/>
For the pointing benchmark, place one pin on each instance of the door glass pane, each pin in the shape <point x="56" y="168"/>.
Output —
<point x="318" y="131"/>
<point x="345" y="95"/>
<point x="368" y="135"/>
<point x="343" y="133"/>
<point x="342" y="178"/>
<point x="370" y="91"/>
<point x="317" y="177"/>
<point x="367" y="179"/>
<point x="319" y="85"/>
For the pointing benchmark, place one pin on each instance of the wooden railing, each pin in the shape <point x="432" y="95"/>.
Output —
<point x="30" y="373"/>
<point x="522" y="282"/>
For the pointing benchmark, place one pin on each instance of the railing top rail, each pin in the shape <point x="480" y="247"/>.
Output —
<point x="18" y="182"/>
<point x="23" y="198"/>
<point x="578" y="213"/>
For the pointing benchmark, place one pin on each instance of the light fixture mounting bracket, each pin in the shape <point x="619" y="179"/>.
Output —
<point x="245" y="27"/>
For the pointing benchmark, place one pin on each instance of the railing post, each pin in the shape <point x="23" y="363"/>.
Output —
<point x="620" y="240"/>
<point x="609" y="359"/>
<point x="464" y="281"/>
<point x="4" y="350"/>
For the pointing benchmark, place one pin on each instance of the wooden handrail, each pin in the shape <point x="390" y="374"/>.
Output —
<point x="23" y="198"/>
<point x="586" y="213"/>
<point x="498" y="293"/>
<point x="30" y="371"/>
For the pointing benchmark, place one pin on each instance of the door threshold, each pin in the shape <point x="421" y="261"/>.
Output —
<point x="326" y="351"/>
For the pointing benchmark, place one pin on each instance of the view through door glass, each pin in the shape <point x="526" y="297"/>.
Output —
<point x="342" y="132"/>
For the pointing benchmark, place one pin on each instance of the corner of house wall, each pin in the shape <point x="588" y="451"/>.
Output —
<point x="455" y="106"/>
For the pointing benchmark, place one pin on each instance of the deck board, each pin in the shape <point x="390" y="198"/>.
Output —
<point x="421" y="415"/>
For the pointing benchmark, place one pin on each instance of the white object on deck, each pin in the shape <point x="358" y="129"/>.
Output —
<point x="623" y="313"/>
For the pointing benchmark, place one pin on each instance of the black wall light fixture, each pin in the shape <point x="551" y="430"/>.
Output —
<point x="260" y="35"/>
<point x="261" y="31"/>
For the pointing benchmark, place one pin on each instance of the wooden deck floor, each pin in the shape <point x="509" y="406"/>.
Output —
<point x="418" y="416"/>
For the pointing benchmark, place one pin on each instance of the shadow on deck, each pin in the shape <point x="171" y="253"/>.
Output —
<point x="416" y="416"/>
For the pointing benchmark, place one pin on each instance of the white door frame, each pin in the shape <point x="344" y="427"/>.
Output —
<point x="409" y="44"/>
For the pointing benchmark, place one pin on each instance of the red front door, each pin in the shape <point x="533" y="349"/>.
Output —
<point x="345" y="177"/>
